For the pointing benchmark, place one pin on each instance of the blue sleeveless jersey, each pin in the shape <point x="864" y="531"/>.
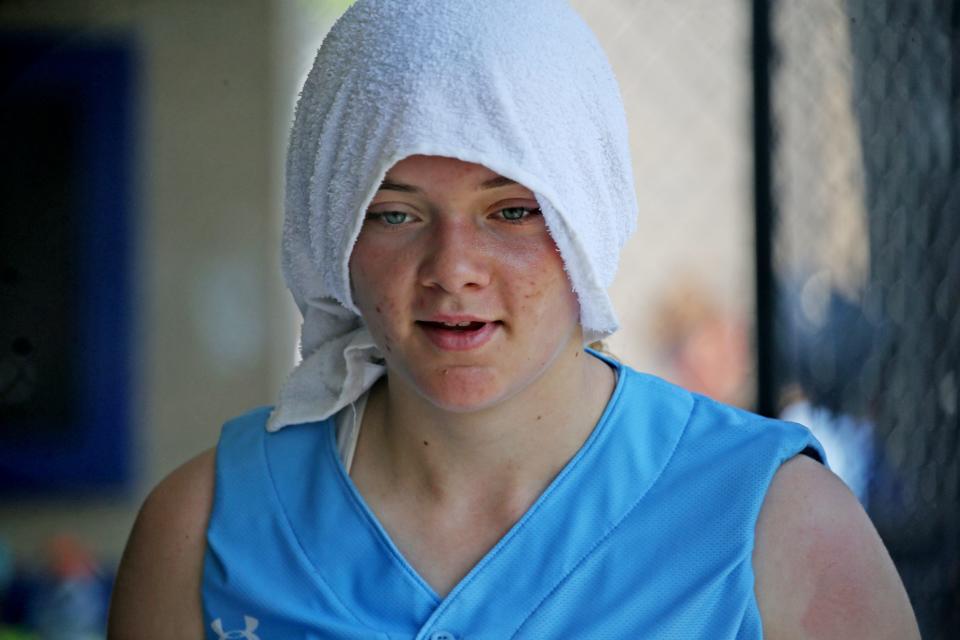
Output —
<point x="647" y="532"/>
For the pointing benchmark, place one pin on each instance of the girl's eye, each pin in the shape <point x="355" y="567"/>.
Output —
<point x="390" y="218"/>
<point x="518" y="214"/>
<point x="394" y="217"/>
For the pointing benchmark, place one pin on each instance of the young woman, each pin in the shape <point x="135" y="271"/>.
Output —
<point x="449" y="460"/>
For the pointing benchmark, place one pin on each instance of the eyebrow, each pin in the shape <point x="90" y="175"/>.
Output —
<point x="492" y="183"/>
<point x="499" y="181"/>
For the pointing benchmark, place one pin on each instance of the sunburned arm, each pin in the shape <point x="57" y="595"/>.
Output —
<point x="821" y="570"/>
<point x="157" y="591"/>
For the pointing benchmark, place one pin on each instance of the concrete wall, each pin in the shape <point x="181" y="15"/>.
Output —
<point x="214" y="332"/>
<point x="684" y="74"/>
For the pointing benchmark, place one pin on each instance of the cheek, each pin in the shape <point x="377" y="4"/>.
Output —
<point x="370" y="270"/>
<point x="371" y="284"/>
<point x="543" y="289"/>
<point x="378" y="311"/>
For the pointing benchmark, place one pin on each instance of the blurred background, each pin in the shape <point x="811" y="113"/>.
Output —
<point x="798" y="252"/>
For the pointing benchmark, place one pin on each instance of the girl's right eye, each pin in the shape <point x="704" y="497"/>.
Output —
<point x="394" y="217"/>
<point x="390" y="218"/>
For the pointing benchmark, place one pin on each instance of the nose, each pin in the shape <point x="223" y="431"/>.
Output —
<point x="454" y="258"/>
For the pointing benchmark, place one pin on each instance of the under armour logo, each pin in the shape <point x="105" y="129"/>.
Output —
<point x="237" y="634"/>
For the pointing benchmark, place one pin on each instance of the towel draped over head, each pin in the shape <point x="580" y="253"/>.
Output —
<point x="521" y="87"/>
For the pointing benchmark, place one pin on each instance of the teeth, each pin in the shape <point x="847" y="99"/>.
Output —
<point x="457" y="324"/>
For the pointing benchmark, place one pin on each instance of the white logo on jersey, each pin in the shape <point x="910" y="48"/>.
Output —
<point x="237" y="634"/>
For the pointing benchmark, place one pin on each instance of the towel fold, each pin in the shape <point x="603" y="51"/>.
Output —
<point x="522" y="88"/>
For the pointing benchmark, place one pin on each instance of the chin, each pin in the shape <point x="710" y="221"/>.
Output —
<point x="462" y="389"/>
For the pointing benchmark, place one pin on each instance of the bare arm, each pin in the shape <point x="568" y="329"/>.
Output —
<point x="157" y="591"/>
<point x="822" y="572"/>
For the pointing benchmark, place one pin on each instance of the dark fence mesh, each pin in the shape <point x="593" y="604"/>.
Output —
<point x="866" y="164"/>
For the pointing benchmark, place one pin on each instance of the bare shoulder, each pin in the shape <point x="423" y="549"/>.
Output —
<point x="157" y="591"/>
<point x="821" y="569"/>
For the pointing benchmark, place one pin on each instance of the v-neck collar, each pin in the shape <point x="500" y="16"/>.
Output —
<point x="354" y="556"/>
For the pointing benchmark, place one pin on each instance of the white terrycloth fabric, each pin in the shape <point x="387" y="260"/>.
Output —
<point x="519" y="86"/>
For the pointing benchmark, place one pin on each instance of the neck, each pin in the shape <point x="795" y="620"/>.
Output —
<point x="500" y="457"/>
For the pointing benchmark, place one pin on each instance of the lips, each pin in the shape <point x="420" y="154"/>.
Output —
<point x="458" y="334"/>
<point x="456" y="326"/>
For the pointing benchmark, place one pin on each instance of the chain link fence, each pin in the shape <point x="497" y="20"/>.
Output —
<point x="680" y="65"/>
<point x="865" y="99"/>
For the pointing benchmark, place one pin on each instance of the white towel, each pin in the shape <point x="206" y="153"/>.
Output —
<point x="521" y="87"/>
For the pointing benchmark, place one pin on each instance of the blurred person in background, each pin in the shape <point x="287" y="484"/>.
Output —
<point x="451" y="459"/>
<point x="827" y="341"/>
<point x="703" y="346"/>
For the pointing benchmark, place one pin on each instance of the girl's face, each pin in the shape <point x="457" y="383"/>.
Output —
<point x="460" y="283"/>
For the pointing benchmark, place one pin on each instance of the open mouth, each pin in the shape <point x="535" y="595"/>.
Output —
<point x="462" y="327"/>
<point x="459" y="336"/>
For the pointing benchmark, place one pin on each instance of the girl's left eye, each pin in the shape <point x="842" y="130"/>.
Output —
<point x="517" y="214"/>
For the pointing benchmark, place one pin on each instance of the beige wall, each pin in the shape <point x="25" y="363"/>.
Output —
<point x="213" y="324"/>
<point x="683" y="70"/>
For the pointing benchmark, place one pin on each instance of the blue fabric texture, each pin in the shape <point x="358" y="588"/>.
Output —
<point x="647" y="532"/>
